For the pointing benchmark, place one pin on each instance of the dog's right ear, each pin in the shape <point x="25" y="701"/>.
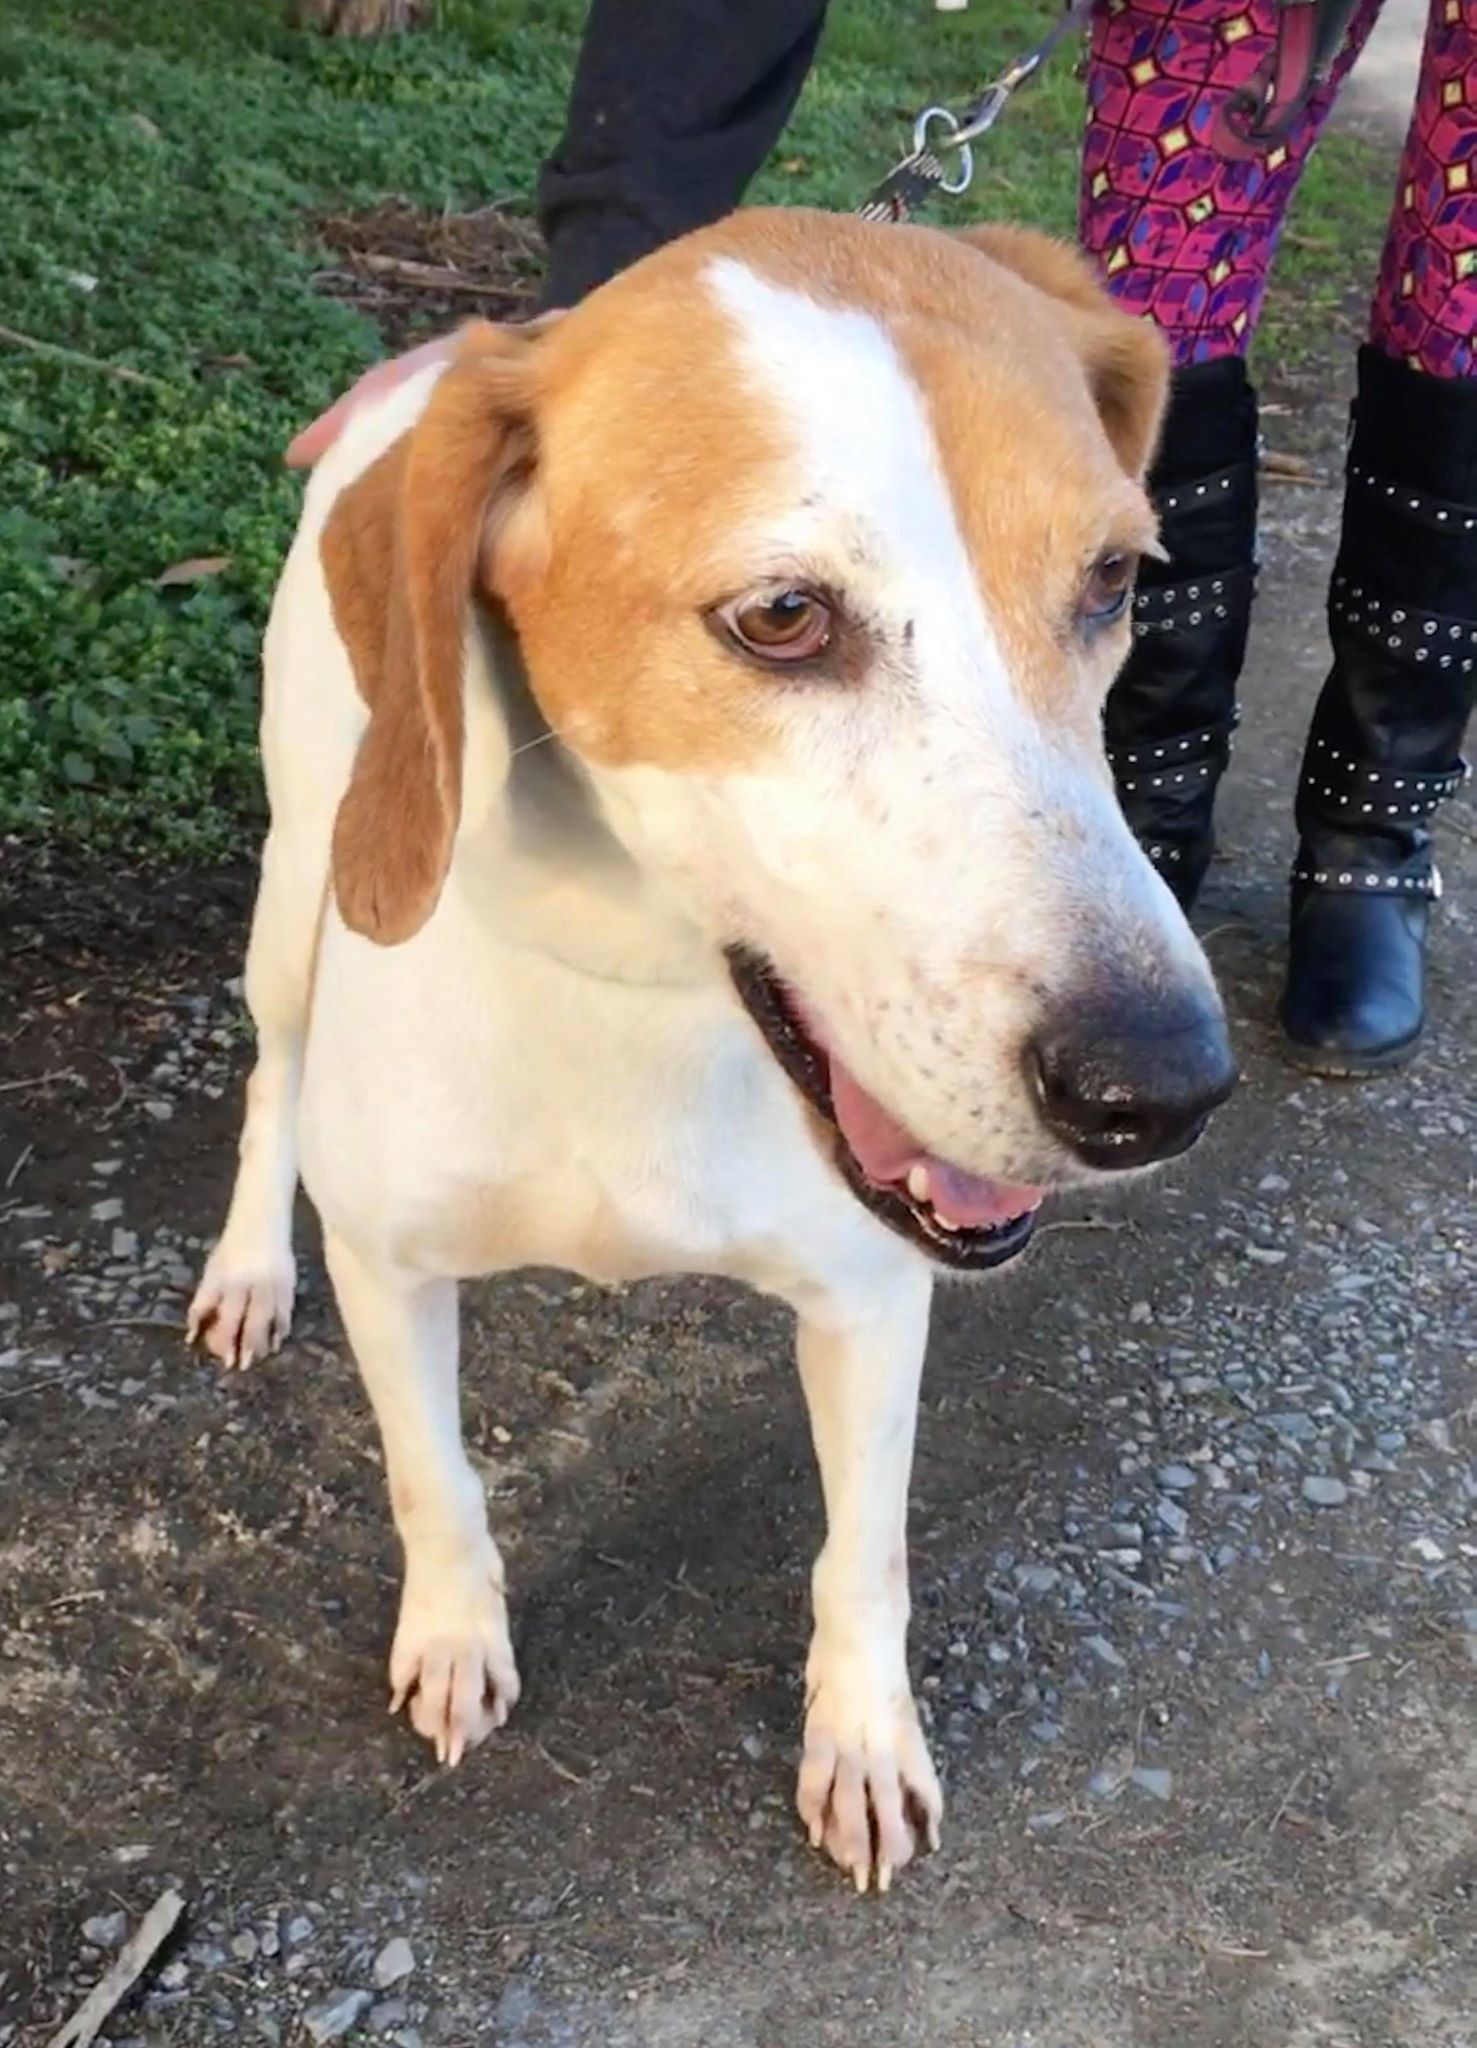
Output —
<point x="1126" y="359"/>
<point x="448" y="511"/>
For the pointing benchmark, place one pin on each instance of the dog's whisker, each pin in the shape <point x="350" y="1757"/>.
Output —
<point x="554" y="732"/>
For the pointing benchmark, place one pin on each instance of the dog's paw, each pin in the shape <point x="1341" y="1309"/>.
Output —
<point x="868" y="1792"/>
<point x="242" y="1308"/>
<point x="452" y="1662"/>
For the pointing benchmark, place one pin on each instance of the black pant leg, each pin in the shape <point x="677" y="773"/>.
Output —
<point x="675" y="106"/>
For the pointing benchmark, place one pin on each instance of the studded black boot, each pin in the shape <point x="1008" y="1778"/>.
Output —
<point x="1171" y="712"/>
<point x="1384" y="746"/>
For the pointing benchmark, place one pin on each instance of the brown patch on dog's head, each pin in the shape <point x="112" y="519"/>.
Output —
<point x="1126" y="359"/>
<point x="405" y="550"/>
<point x="660" y="464"/>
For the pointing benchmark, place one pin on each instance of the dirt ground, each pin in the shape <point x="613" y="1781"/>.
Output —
<point x="1195" y="1527"/>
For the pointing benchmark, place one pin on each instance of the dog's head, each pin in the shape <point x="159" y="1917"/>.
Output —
<point x="819" y="539"/>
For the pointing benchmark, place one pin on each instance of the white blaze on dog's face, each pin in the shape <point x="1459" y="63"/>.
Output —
<point x="824" y="571"/>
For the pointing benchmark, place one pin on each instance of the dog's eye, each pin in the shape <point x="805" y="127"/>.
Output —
<point x="1109" y="583"/>
<point x="780" y="625"/>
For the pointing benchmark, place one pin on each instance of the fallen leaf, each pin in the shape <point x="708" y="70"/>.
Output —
<point x="195" y="570"/>
<point x="72" y="569"/>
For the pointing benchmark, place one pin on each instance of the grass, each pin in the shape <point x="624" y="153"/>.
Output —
<point x="159" y="162"/>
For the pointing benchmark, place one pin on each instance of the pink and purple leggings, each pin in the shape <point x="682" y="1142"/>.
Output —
<point x="1187" y="236"/>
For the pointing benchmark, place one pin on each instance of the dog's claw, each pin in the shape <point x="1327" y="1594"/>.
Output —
<point x="868" y="1794"/>
<point x="452" y="1663"/>
<point x="242" y="1310"/>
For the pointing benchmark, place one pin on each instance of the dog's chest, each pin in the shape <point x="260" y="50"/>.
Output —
<point x="470" y="1108"/>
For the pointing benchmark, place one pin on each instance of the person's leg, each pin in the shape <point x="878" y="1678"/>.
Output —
<point x="1384" y="745"/>
<point x="675" y="105"/>
<point x="1185" y="236"/>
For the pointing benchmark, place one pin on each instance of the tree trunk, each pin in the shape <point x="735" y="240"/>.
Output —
<point x="359" y="17"/>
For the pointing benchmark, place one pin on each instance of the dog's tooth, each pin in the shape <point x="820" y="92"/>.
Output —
<point x="945" y="1222"/>
<point x="918" y="1182"/>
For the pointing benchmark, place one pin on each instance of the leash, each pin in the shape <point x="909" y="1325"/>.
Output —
<point x="1310" y="36"/>
<point x="921" y="173"/>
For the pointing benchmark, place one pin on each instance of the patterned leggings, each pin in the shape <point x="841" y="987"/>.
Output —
<point x="1187" y="236"/>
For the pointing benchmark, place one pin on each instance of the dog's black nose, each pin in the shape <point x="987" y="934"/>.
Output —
<point x="1127" y="1084"/>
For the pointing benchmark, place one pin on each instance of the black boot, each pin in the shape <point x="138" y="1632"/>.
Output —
<point x="1171" y="712"/>
<point x="1384" y="746"/>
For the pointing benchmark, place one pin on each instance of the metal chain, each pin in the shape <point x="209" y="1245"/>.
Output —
<point x="913" y="181"/>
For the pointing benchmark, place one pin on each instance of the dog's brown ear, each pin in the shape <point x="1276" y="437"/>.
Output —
<point x="404" y="550"/>
<point x="1127" y="360"/>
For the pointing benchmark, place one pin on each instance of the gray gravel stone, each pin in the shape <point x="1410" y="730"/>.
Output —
<point x="1158" y="1784"/>
<point x="1103" y="1650"/>
<point x="394" y="1962"/>
<point x="1178" y="1478"/>
<point x="1172" y="1516"/>
<point x="1106" y="1783"/>
<point x="1322" y="1492"/>
<point x="105" y="1930"/>
<point x="330" y="2018"/>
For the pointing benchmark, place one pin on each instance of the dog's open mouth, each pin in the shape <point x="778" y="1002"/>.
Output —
<point x="959" y="1219"/>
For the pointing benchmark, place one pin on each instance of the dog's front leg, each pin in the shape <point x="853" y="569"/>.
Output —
<point x="867" y="1790"/>
<point x="452" y="1659"/>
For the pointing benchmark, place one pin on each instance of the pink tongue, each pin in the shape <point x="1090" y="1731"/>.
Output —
<point x="885" y="1152"/>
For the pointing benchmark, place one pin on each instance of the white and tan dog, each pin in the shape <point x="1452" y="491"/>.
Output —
<point x="758" y="905"/>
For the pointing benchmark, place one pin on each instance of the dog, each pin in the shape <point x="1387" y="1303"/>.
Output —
<point x="692" y="850"/>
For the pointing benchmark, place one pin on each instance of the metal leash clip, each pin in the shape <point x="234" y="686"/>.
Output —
<point x="938" y="130"/>
<point x="954" y="137"/>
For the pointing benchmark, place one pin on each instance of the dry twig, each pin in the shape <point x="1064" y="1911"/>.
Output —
<point x="135" y="1956"/>
<point x="78" y="361"/>
<point x="1280" y="468"/>
<point x="433" y="276"/>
